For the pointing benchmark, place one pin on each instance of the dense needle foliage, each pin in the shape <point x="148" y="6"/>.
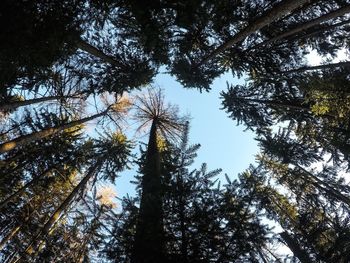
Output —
<point x="69" y="72"/>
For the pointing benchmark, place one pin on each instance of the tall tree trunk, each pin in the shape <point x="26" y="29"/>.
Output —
<point x="278" y="104"/>
<point x="328" y="189"/>
<point x="285" y="105"/>
<point x="64" y="205"/>
<point x="305" y="26"/>
<point x="20" y="191"/>
<point x="295" y="248"/>
<point x="149" y="240"/>
<point x="85" y="46"/>
<point x="19" y="223"/>
<point x="184" y="242"/>
<point x="16" y="104"/>
<point x="9" y="236"/>
<point x="273" y="255"/>
<point x="10" y="257"/>
<point x="325" y="66"/>
<point x="345" y="64"/>
<point x="317" y="31"/>
<point x="261" y="255"/>
<point x="274" y="14"/>
<point x="8" y="146"/>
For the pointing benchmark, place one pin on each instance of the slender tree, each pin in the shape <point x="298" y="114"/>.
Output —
<point x="25" y="139"/>
<point x="280" y="10"/>
<point x="149" y="238"/>
<point x="306" y="25"/>
<point x="111" y="154"/>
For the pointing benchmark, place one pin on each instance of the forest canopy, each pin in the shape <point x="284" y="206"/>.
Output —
<point x="66" y="66"/>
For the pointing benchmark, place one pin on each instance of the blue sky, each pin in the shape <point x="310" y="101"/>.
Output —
<point x="223" y="144"/>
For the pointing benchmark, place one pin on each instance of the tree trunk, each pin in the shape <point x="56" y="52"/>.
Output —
<point x="319" y="184"/>
<point x="306" y="25"/>
<point x="184" y="243"/>
<point x="8" y="146"/>
<point x="11" y="257"/>
<point x="9" y="236"/>
<point x="149" y="240"/>
<point x="277" y="104"/>
<point x="273" y="255"/>
<point x="16" y="104"/>
<point x="325" y="66"/>
<point x="19" y="223"/>
<point x="64" y="205"/>
<point x="285" y="105"/>
<point x="20" y="191"/>
<point x="295" y="248"/>
<point x="274" y="14"/>
<point x="317" y="31"/>
<point x="83" y="45"/>
<point x="261" y="255"/>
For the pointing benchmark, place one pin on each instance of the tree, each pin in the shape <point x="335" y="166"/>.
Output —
<point x="202" y="222"/>
<point x="275" y="13"/>
<point x="44" y="35"/>
<point x="117" y="108"/>
<point x="231" y="49"/>
<point x="311" y="105"/>
<point x="48" y="169"/>
<point x="304" y="26"/>
<point x="149" y="239"/>
<point x="34" y="37"/>
<point x="112" y="157"/>
<point x="282" y="149"/>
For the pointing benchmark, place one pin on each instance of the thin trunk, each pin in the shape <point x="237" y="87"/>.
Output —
<point x="324" y="29"/>
<point x="278" y="104"/>
<point x="262" y="256"/>
<point x="64" y="205"/>
<point x="272" y="254"/>
<point x="318" y="183"/>
<point x="305" y="26"/>
<point x="8" y="146"/>
<point x="325" y="66"/>
<point x="184" y="243"/>
<point x="17" y="104"/>
<point x="83" y="247"/>
<point x="274" y="14"/>
<point x="20" y="191"/>
<point x="9" y="236"/>
<point x="286" y="105"/>
<point x="18" y="226"/>
<point x="149" y="240"/>
<point x="295" y="248"/>
<point x="10" y="257"/>
<point x="83" y="45"/>
<point x="181" y="207"/>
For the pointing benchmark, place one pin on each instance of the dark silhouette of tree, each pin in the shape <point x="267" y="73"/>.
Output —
<point x="111" y="156"/>
<point x="312" y="105"/>
<point x="202" y="221"/>
<point x="117" y="109"/>
<point x="281" y="9"/>
<point x="165" y="125"/>
<point x="58" y="56"/>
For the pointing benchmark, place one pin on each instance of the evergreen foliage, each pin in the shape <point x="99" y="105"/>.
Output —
<point x="67" y="67"/>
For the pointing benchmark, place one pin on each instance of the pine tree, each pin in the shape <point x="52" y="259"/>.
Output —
<point x="111" y="156"/>
<point x="202" y="222"/>
<point x="149" y="239"/>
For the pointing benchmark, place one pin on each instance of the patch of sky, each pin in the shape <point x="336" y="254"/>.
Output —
<point x="223" y="144"/>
